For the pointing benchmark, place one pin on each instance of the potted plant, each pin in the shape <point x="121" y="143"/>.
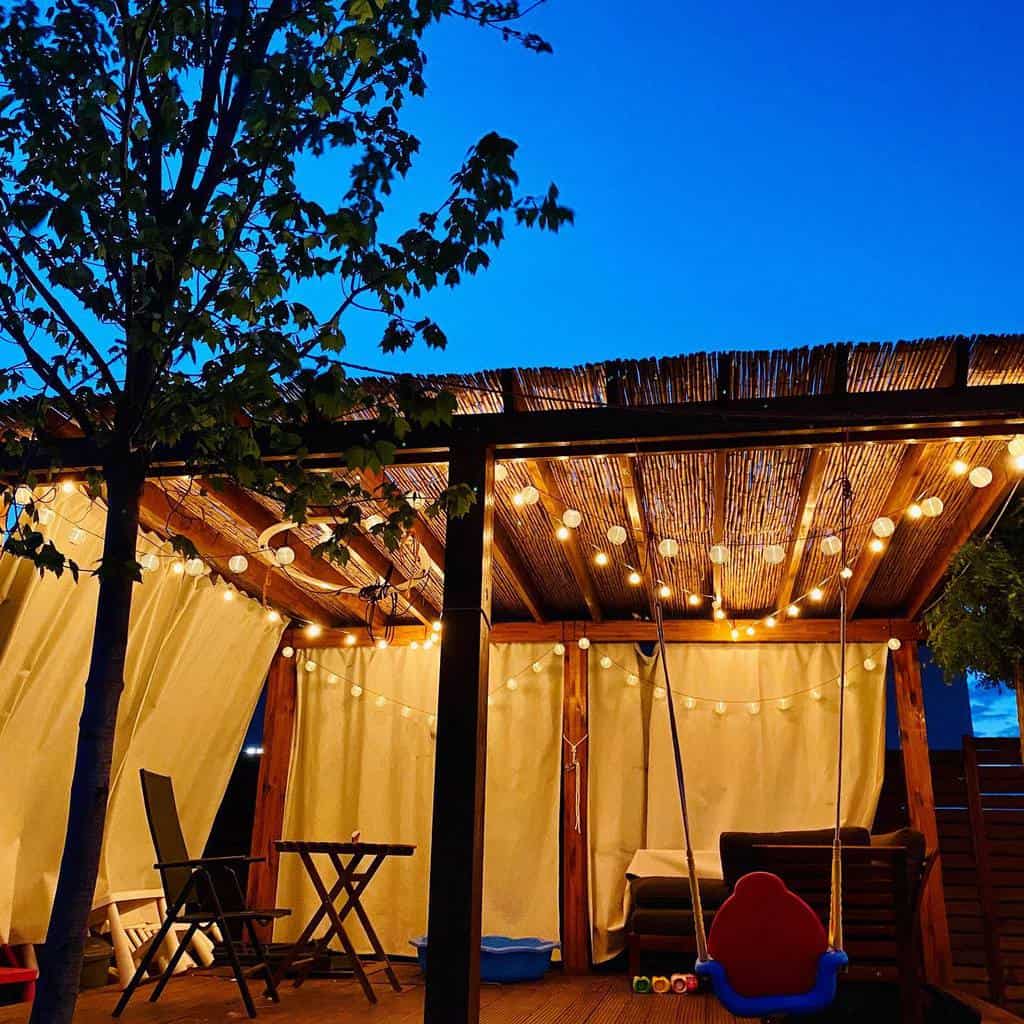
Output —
<point x="977" y="625"/>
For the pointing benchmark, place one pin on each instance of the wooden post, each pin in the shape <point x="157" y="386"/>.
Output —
<point x="457" y="840"/>
<point x="278" y="723"/>
<point x="921" y="808"/>
<point x="575" y="893"/>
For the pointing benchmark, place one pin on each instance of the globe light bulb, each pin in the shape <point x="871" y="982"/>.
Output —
<point x="876" y="545"/>
<point x="512" y="683"/>
<point x="870" y="664"/>
<point x="563" y="533"/>
<point x="195" y="567"/>
<point x="149" y="562"/>
<point x="771" y="622"/>
<point x="558" y="650"/>
<point x="932" y="507"/>
<point x="616" y="535"/>
<point x="601" y="559"/>
<point x="664" y="591"/>
<point x="719" y="614"/>
<point x="980" y="476"/>
<point x="959" y="467"/>
<point x="774" y="553"/>
<point x="238" y="564"/>
<point x="632" y="680"/>
<point x="883" y="527"/>
<point x="313" y="630"/>
<point x="816" y="594"/>
<point x="583" y="643"/>
<point x="273" y="615"/>
<point x="530" y="495"/>
<point x="694" y="600"/>
<point x="659" y="693"/>
<point x="287" y="652"/>
<point x="719" y="554"/>
<point x="284" y="555"/>
<point x="668" y="548"/>
<point x="350" y="639"/>
<point x="634" y="578"/>
<point x="915" y="511"/>
<point x="793" y="611"/>
<point x="572" y="518"/>
<point x="356" y="691"/>
<point x="500" y="472"/>
<point x="606" y="662"/>
<point x="894" y="643"/>
<point x="831" y="545"/>
<point x="46" y="516"/>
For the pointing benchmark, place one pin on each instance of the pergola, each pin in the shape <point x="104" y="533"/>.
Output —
<point x="743" y="450"/>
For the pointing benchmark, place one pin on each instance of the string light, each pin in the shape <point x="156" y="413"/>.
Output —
<point x="310" y="666"/>
<point x="694" y="600"/>
<point x="273" y="615"/>
<point x="500" y="472"/>
<point x="876" y="545"/>
<point x="831" y="545"/>
<point x="635" y="579"/>
<point x="980" y="476"/>
<point x="894" y="643"/>
<point x="381" y="644"/>
<point x="68" y="487"/>
<point x="915" y="511"/>
<point x="150" y="563"/>
<point x="583" y="643"/>
<point x="659" y="693"/>
<point x="664" y="591"/>
<point x="719" y="554"/>
<point x="668" y="548"/>
<point x="530" y="495"/>
<point x="287" y="652"/>
<point x="572" y="518"/>
<point x="719" y="614"/>
<point x="753" y="708"/>
<point x="313" y="630"/>
<point x="229" y="595"/>
<point x="195" y="567"/>
<point x="406" y="711"/>
<point x="238" y="564"/>
<point x="563" y="533"/>
<point x="846" y="572"/>
<point x="177" y="567"/>
<point x="793" y="611"/>
<point x="883" y="527"/>
<point x="284" y="555"/>
<point x="559" y="649"/>
<point x="750" y="630"/>
<point x="870" y="664"/>
<point x="517" y="499"/>
<point x="435" y="626"/>
<point x="815" y="694"/>
<point x="356" y="691"/>
<point x="606" y="662"/>
<point x="959" y="467"/>
<point x="511" y="683"/>
<point x="616" y="535"/>
<point x="1018" y="463"/>
<point x="689" y="703"/>
<point x="720" y="708"/>
<point x="537" y="666"/>
<point x="632" y="679"/>
<point x="601" y="559"/>
<point x="350" y="639"/>
<point x="771" y="622"/>
<point x="932" y="507"/>
<point x="332" y="678"/>
<point x="784" y="704"/>
<point x="414" y="645"/>
<point x="1015" y="445"/>
<point x="816" y="594"/>
<point x="381" y="701"/>
<point x="734" y="633"/>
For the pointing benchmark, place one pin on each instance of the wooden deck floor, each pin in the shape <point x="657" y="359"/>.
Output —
<point x="601" y="999"/>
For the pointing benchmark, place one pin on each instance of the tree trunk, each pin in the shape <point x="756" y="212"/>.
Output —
<point x="1018" y="689"/>
<point x="61" y="958"/>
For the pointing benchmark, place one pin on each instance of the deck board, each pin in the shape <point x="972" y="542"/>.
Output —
<point x="594" y="999"/>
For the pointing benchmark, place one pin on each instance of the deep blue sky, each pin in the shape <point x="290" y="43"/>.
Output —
<point x="743" y="175"/>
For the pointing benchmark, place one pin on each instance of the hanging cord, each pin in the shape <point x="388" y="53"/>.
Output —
<point x="835" y="912"/>
<point x="574" y="766"/>
<point x="659" y="620"/>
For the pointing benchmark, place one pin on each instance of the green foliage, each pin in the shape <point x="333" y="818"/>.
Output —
<point x="978" y="623"/>
<point x="154" y="232"/>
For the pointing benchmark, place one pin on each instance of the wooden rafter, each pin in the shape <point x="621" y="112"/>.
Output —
<point x="160" y="513"/>
<point x="550" y="496"/>
<point x="902" y="492"/>
<point x="504" y="551"/>
<point x="718" y="518"/>
<point x="977" y="513"/>
<point x="810" y="494"/>
<point x="241" y="504"/>
<point x="639" y="526"/>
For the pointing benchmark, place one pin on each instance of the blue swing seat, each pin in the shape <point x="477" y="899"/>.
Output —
<point x="831" y="962"/>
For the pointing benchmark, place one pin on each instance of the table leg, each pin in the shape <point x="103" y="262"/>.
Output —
<point x="339" y="929"/>
<point x="357" y="906"/>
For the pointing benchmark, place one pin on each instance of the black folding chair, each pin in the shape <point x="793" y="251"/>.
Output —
<point x="193" y="900"/>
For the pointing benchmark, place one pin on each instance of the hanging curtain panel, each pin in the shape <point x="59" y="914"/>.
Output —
<point x="758" y="729"/>
<point x="363" y="759"/>
<point x="196" y="665"/>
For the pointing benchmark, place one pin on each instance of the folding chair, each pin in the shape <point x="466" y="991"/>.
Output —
<point x="193" y="900"/>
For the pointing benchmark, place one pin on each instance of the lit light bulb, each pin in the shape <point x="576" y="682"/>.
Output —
<point x="959" y="467"/>
<point x="750" y="630"/>
<point x="431" y="720"/>
<point x="719" y="614"/>
<point x="831" y="545"/>
<point x="435" y="626"/>
<point x="313" y="630"/>
<point x="381" y="644"/>
<point x="876" y="545"/>
<point x="287" y="652"/>
<point x="816" y="594"/>
<point x="689" y="703"/>
<point x="195" y="567"/>
<point x="1018" y="464"/>
<point x="150" y="563"/>
<point x="583" y="643"/>
<point x="1016" y="445"/>
<point x="915" y="511"/>
<point x="635" y="579"/>
<point x="512" y="683"/>
<point x="793" y="611"/>
<point x="500" y="472"/>
<point x="846" y="572"/>
<point x="350" y="639"/>
<point x="332" y="678"/>
<point x="720" y="708"/>
<point x="668" y="548"/>
<point x="771" y="622"/>
<point x="815" y="694"/>
<point x="537" y="666"/>
<point x="68" y="487"/>
<point x="719" y="554"/>
<point x="46" y="516"/>
<point x="784" y="704"/>
<point x="870" y="664"/>
<point x="980" y="476"/>
<point x="753" y="708"/>
<point x="356" y="691"/>
<point x="883" y="527"/>
<point x="406" y="711"/>
<point x="428" y="643"/>
<point x="284" y="555"/>
<point x="517" y="499"/>
<point x="605" y="662"/>
<point x="76" y="535"/>
<point x="381" y="701"/>
<point x="664" y="591"/>
<point x="932" y="507"/>
<point x="558" y="650"/>
<point x="572" y="518"/>
<point x="414" y="645"/>
<point x="563" y="533"/>
<point x="616" y="535"/>
<point x="601" y="559"/>
<point x="694" y="600"/>
<point x="238" y="563"/>
<point x="310" y="666"/>
<point x="894" y="643"/>
<point x="23" y="494"/>
<point x="530" y="495"/>
<point x="490" y="701"/>
<point x="774" y="553"/>
<point x="229" y="595"/>
<point x="273" y="615"/>
<point x="659" y="693"/>
<point x="734" y="633"/>
<point x="632" y="680"/>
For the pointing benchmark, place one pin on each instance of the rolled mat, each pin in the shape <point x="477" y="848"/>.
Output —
<point x="660" y="984"/>
<point x="641" y="984"/>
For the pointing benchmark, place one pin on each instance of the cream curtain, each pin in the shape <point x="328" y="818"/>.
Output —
<point x="196" y="665"/>
<point x="763" y="760"/>
<point x="365" y="760"/>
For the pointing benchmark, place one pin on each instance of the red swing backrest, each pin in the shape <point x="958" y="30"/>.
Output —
<point x="768" y="939"/>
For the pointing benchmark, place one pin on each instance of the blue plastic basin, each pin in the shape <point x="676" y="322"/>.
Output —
<point x="502" y="958"/>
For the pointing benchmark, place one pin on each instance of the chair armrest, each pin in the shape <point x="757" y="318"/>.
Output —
<point x="200" y="862"/>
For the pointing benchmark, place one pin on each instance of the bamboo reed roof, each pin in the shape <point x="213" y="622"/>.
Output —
<point x="747" y="499"/>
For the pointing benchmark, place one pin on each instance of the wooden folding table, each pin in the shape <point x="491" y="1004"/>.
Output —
<point x="347" y="860"/>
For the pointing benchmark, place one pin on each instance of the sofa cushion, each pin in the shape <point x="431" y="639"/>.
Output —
<point x="663" y="921"/>
<point x="674" y="892"/>
<point x="739" y="859"/>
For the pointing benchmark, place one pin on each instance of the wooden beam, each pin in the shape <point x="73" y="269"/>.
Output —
<point x="814" y="631"/>
<point x="921" y="808"/>
<point x="903" y="491"/>
<point x="550" y="496"/>
<point x="575" y="853"/>
<point x="995" y="410"/>
<point x="972" y="518"/>
<point x="162" y="514"/>
<point x="248" y="509"/>
<point x="639" y="526"/>
<point x="810" y="494"/>
<point x="457" y="838"/>
<point x="272" y="784"/>
<point x="718" y="517"/>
